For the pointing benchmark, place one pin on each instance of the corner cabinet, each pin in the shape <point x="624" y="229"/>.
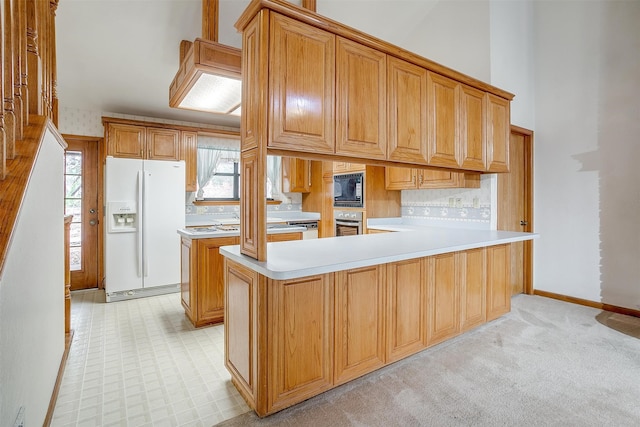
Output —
<point x="202" y="276"/>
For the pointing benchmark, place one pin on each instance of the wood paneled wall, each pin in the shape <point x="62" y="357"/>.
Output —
<point x="27" y="70"/>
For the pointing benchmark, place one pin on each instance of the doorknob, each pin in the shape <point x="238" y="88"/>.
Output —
<point x="93" y="222"/>
<point x="524" y="223"/>
<point x="92" y="211"/>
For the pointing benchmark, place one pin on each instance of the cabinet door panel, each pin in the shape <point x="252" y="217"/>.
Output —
<point x="400" y="178"/>
<point x="302" y="86"/>
<point x="444" y="321"/>
<point x="126" y="141"/>
<point x="163" y="144"/>
<point x="498" y="281"/>
<point x="407" y="111"/>
<point x="296" y="175"/>
<point x="438" y="179"/>
<point x="359" y="317"/>
<point x="187" y="265"/>
<point x="301" y="324"/>
<point x="406" y="313"/>
<point x="361" y="101"/>
<point x="473" y="273"/>
<point x="472" y="128"/>
<point x="443" y="129"/>
<point x="498" y="132"/>
<point x="190" y="157"/>
<point x="210" y="291"/>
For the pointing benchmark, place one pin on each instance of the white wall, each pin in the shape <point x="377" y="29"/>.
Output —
<point x="587" y="201"/>
<point x="32" y="294"/>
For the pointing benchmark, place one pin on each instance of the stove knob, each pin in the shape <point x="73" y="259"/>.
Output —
<point x="353" y="215"/>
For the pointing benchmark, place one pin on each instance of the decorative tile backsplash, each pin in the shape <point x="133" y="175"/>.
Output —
<point x="452" y="205"/>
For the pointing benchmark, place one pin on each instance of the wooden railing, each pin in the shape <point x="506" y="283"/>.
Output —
<point x="28" y="99"/>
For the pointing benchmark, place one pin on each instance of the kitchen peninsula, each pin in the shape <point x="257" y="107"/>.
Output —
<point x="320" y="313"/>
<point x="302" y="317"/>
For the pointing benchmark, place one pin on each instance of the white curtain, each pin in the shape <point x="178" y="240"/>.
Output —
<point x="273" y="176"/>
<point x="208" y="160"/>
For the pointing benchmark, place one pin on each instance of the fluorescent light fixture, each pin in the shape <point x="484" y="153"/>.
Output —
<point x="208" y="79"/>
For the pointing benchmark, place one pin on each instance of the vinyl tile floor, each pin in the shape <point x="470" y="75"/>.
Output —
<point x="141" y="363"/>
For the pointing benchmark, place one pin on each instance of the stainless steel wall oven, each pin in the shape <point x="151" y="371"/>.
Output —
<point x="348" y="223"/>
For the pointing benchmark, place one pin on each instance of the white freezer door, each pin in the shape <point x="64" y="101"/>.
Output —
<point x="163" y="214"/>
<point x="123" y="250"/>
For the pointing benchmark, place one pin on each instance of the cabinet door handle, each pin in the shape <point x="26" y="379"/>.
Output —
<point x="524" y="223"/>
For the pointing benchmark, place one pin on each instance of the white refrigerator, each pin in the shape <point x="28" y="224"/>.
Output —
<point x="145" y="202"/>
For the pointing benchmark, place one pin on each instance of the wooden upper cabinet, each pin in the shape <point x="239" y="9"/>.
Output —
<point x="296" y="175"/>
<point x="471" y="124"/>
<point x="125" y="140"/>
<point x="407" y="92"/>
<point x="190" y="157"/>
<point x="141" y="142"/>
<point x="163" y="144"/>
<point x="302" y="61"/>
<point x="498" y="131"/>
<point x="443" y="123"/>
<point x="400" y="178"/>
<point x="361" y="100"/>
<point x="345" y="167"/>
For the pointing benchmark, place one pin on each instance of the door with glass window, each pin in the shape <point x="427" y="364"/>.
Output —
<point x="81" y="201"/>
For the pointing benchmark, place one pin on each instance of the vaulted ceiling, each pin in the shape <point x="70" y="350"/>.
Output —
<point x="119" y="56"/>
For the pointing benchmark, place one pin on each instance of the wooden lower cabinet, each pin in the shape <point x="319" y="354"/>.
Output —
<point x="202" y="284"/>
<point x="406" y="308"/>
<point x="289" y="340"/>
<point x="300" y="332"/>
<point x="444" y="298"/>
<point x="498" y="281"/>
<point x="202" y="276"/>
<point x="359" y="322"/>
<point x="473" y="285"/>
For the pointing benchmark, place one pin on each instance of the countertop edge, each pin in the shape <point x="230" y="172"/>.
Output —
<point x="263" y="268"/>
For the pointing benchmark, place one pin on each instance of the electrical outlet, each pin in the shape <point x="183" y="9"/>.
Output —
<point x="452" y="202"/>
<point x="458" y="202"/>
<point x="476" y="202"/>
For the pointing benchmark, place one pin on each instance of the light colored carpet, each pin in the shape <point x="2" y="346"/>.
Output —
<point x="547" y="363"/>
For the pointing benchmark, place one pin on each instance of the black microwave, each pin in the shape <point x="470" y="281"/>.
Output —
<point x="348" y="190"/>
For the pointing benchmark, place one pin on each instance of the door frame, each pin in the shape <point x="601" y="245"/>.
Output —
<point x="100" y="193"/>
<point x="527" y="134"/>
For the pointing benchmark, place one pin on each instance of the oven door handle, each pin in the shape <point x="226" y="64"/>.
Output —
<point x="347" y="223"/>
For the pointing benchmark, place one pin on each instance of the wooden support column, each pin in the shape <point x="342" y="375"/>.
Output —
<point x="3" y="139"/>
<point x="34" y="63"/>
<point x="18" y="60"/>
<point x="54" y="65"/>
<point x="9" y="79"/>
<point x="254" y="133"/>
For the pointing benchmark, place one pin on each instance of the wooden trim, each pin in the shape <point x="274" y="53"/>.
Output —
<point x="235" y="134"/>
<point x="210" y="20"/>
<point x="56" y="388"/>
<point x="305" y="15"/>
<point x="588" y="303"/>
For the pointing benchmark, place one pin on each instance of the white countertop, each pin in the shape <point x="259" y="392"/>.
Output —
<point x="300" y="258"/>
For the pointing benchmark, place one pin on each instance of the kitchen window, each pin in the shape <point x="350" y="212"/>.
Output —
<point x="219" y="174"/>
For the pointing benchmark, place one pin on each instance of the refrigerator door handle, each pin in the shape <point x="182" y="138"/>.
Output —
<point x="139" y="231"/>
<point x="145" y="248"/>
